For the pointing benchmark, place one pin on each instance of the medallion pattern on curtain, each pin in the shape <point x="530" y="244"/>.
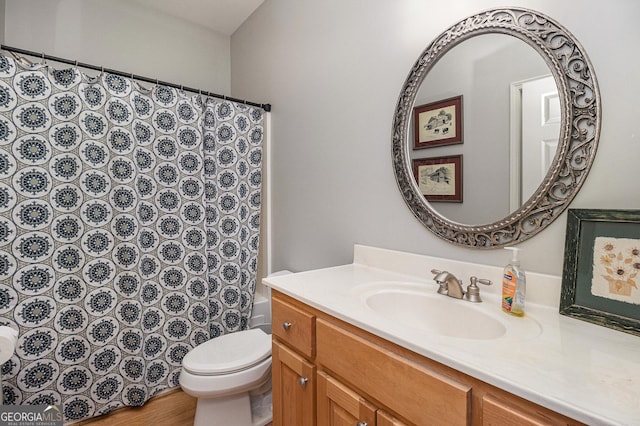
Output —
<point x="129" y="223"/>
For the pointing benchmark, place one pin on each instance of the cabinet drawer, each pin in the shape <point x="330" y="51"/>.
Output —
<point x="294" y="326"/>
<point x="501" y="412"/>
<point x="424" y="397"/>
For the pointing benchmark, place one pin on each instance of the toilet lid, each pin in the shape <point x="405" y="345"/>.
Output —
<point x="229" y="353"/>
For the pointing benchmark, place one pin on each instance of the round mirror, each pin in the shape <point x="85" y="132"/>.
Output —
<point x="496" y="128"/>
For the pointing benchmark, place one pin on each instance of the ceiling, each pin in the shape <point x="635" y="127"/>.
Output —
<point x="223" y="16"/>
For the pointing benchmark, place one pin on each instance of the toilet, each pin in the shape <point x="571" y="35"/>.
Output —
<point x="228" y="375"/>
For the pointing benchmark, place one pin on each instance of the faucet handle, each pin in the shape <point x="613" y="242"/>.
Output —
<point x="443" y="288"/>
<point x="482" y="281"/>
<point x="473" y="291"/>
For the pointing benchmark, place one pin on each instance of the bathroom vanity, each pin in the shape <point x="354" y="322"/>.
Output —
<point x="341" y="356"/>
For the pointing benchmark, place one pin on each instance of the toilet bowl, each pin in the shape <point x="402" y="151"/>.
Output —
<point x="223" y="373"/>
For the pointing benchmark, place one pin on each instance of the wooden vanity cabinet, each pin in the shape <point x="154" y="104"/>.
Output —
<point x="331" y="373"/>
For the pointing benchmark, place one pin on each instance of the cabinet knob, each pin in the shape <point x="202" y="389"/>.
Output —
<point x="286" y="325"/>
<point x="302" y="381"/>
<point x="361" y="424"/>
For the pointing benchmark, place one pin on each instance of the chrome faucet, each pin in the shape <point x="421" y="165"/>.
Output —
<point x="452" y="287"/>
<point x="449" y="284"/>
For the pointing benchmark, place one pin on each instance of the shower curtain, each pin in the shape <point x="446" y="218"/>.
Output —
<point x="129" y="222"/>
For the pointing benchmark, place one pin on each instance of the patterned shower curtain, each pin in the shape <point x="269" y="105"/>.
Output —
<point x="129" y="224"/>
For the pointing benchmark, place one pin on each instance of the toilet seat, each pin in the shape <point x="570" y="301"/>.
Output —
<point x="228" y="353"/>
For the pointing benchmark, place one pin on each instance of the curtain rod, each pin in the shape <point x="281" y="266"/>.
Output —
<point x="266" y="107"/>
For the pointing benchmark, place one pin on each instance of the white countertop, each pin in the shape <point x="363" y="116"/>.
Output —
<point x="584" y="371"/>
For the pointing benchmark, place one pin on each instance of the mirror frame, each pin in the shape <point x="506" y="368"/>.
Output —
<point x="579" y="129"/>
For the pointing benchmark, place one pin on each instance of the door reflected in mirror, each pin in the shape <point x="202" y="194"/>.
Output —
<point x="499" y="78"/>
<point x="535" y="127"/>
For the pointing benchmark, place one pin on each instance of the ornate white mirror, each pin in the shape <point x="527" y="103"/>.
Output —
<point x="523" y="162"/>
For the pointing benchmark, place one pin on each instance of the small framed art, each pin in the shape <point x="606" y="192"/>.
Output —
<point x="438" y="123"/>
<point x="439" y="178"/>
<point x="601" y="274"/>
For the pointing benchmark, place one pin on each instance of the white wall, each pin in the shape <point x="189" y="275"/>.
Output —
<point x="333" y="70"/>
<point x="123" y="36"/>
<point x="2" y="6"/>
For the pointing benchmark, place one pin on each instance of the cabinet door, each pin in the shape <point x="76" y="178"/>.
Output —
<point x="293" y="388"/>
<point x="340" y="406"/>
<point x="386" y="419"/>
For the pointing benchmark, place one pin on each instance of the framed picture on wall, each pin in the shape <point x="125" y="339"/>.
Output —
<point x="601" y="274"/>
<point x="438" y="123"/>
<point x="439" y="178"/>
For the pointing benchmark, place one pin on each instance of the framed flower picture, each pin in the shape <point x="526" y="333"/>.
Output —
<point x="601" y="274"/>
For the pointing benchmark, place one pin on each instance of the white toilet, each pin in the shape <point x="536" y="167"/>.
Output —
<point x="224" y="373"/>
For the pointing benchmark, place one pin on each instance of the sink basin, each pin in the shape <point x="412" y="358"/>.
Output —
<point x="419" y="307"/>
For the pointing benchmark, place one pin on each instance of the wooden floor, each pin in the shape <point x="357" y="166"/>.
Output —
<point x="172" y="409"/>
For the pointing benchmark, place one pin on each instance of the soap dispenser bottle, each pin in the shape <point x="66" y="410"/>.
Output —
<point x="513" y="286"/>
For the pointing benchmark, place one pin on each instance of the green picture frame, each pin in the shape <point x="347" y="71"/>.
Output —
<point x="601" y="274"/>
